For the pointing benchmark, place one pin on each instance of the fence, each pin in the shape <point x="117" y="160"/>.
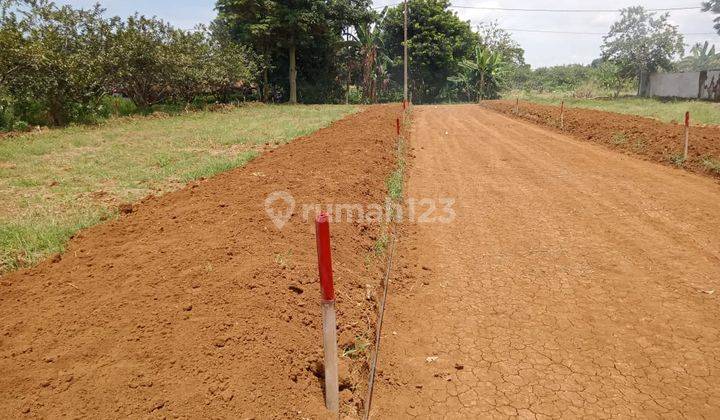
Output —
<point x="691" y="85"/>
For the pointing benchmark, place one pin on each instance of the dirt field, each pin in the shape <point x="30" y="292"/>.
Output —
<point x="194" y="305"/>
<point x="575" y="281"/>
<point x="643" y="137"/>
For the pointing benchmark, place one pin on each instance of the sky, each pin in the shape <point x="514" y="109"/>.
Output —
<point x="541" y="49"/>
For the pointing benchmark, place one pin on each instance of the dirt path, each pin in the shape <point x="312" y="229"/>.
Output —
<point x="574" y="281"/>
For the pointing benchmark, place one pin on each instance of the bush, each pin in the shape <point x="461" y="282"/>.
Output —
<point x="60" y="65"/>
<point x="21" y="126"/>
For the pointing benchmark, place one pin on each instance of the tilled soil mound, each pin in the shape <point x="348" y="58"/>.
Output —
<point x="195" y="305"/>
<point x="650" y="139"/>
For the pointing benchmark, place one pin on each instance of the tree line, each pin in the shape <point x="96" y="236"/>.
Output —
<point x="346" y="51"/>
<point x="59" y="64"/>
<point x="639" y="42"/>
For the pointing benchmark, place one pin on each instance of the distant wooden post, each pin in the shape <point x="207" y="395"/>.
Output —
<point x="517" y="106"/>
<point x="687" y="134"/>
<point x="562" y="115"/>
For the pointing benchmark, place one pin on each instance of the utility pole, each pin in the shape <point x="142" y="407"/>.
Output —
<point x="405" y="53"/>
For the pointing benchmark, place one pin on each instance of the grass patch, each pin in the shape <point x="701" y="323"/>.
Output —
<point x="381" y="244"/>
<point x="677" y="159"/>
<point x="619" y="138"/>
<point x="54" y="183"/>
<point x="711" y="164"/>
<point x="396" y="182"/>
<point x="702" y="112"/>
<point x="640" y="144"/>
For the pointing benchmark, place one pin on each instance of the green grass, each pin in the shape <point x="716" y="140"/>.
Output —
<point x="395" y="184"/>
<point x="702" y="112"/>
<point x="54" y="183"/>
<point x="711" y="164"/>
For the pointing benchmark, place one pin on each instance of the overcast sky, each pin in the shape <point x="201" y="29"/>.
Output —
<point x="541" y="49"/>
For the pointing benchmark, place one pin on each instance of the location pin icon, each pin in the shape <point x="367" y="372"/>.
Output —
<point x="277" y="214"/>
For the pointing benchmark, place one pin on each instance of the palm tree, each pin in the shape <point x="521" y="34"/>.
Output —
<point x="703" y="57"/>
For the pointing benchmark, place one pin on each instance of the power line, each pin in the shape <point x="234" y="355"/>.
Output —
<point x="519" y="9"/>
<point x="515" y="9"/>
<point x="542" y="31"/>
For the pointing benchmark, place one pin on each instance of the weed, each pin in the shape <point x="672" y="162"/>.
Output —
<point x="677" y="159"/>
<point x="395" y="186"/>
<point x="396" y="181"/>
<point x="283" y="259"/>
<point x="619" y="138"/>
<point x="639" y="144"/>
<point x="552" y="122"/>
<point x="358" y="349"/>
<point x="163" y="160"/>
<point x="711" y="164"/>
<point x="381" y="244"/>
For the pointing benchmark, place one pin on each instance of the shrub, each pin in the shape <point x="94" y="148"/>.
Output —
<point x="59" y="64"/>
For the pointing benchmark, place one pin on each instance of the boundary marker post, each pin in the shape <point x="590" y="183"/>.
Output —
<point x="687" y="134"/>
<point x="322" y="232"/>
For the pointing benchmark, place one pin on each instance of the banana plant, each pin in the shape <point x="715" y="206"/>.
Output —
<point x="702" y="57"/>
<point x="375" y="62"/>
<point x="488" y="66"/>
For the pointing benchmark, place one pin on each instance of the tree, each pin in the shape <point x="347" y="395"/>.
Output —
<point x="56" y="57"/>
<point x="497" y="39"/>
<point x="609" y="76"/>
<point x="713" y="6"/>
<point x="270" y="24"/>
<point x="558" y="78"/>
<point x="374" y="61"/>
<point x="641" y="42"/>
<point x="437" y="42"/>
<point x="702" y="57"/>
<point x="58" y="63"/>
<point x="482" y="75"/>
<point x="143" y="61"/>
<point x="154" y="62"/>
<point x="489" y="66"/>
<point x="228" y="63"/>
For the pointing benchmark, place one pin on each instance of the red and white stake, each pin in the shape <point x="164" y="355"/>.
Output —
<point x="517" y="106"/>
<point x="687" y="133"/>
<point x="562" y="115"/>
<point x="322" y="232"/>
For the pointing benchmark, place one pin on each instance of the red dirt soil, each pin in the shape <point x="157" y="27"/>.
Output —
<point x="194" y="304"/>
<point x="575" y="282"/>
<point x="644" y="137"/>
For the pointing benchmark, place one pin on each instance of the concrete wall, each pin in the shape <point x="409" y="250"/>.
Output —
<point x="690" y="85"/>
<point x="675" y="85"/>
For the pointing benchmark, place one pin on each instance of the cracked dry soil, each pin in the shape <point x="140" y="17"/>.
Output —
<point x="575" y="281"/>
